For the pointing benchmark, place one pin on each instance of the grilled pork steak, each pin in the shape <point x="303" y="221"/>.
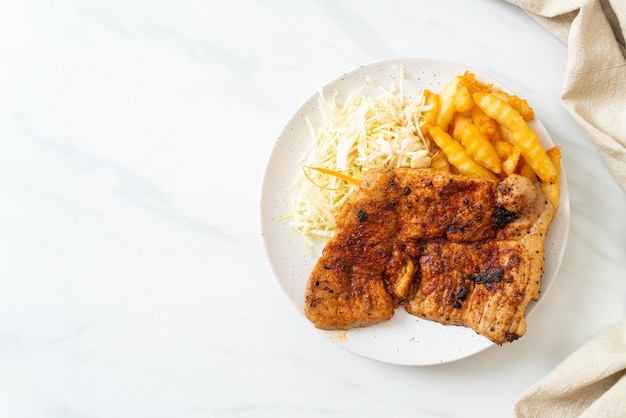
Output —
<point x="449" y="248"/>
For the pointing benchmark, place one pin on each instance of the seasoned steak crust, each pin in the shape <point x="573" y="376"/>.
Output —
<point x="453" y="249"/>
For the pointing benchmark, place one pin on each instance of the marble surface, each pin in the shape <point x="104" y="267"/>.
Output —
<point x="134" y="137"/>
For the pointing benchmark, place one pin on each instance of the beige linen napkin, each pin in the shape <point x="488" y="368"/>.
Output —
<point x="592" y="381"/>
<point x="589" y="383"/>
<point x="594" y="87"/>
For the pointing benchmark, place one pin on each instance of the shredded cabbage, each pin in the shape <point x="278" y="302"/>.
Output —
<point x="362" y="133"/>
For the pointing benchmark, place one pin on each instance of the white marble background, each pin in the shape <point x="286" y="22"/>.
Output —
<point x="133" y="139"/>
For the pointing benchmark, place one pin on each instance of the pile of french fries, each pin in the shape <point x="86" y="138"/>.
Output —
<point x="482" y="131"/>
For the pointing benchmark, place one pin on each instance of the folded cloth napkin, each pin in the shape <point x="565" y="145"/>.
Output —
<point x="591" y="382"/>
<point x="594" y="88"/>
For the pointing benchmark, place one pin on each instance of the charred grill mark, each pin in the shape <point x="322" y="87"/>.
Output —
<point x="463" y="292"/>
<point x="511" y="336"/>
<point x="501" y="217"/>
<point x="491" y="275"/>
<point x="503" y="189"/>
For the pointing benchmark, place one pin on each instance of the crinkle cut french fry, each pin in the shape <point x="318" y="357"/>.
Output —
<point x="503" y="148"/>
<point x="475" y="143"/>
<point x="487" y="125"/>
<point x="434" y="101"/>
<point x="521" y="105"/>
<point x="552" y="191"/>
<point x="528" y="172"/>
<point x="554" y="154"/>
<point x="457" y="156"/>
<point x="510" y="163"/>
<point x="463" y="101"/>
<point x="523" y="136"/>
<point x="473" y="85"/>
<point x="447" y="110"/>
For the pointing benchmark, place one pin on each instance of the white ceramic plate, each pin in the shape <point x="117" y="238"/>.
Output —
<point x="405" y="339"/>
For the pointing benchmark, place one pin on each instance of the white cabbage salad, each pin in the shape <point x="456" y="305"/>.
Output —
<point x="362" y="133"/>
